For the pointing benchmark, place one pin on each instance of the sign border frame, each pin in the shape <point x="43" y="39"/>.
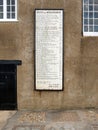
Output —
<point x="35" y="88"/>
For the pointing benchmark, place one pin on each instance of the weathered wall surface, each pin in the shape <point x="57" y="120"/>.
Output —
<point x="90" y="69"/>
<point x="80" y="58"/>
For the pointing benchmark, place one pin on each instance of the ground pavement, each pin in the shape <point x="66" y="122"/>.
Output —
<point x="49" y="120"/>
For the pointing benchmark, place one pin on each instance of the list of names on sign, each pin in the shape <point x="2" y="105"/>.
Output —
<point x="49" y="49"/>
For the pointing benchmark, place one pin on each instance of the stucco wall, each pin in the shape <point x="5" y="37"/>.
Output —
<point x="80" y="58"/>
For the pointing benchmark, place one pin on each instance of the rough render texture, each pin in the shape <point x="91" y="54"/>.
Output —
<point x="80" y="58"/>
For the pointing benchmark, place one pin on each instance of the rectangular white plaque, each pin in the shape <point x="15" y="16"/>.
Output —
<point x="49" y="49"/>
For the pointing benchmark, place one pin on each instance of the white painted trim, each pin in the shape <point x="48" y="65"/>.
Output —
<point x="16" y="7"/>
<point x="9" y="20"/>
<point x="5" y="19"/>
<point x="4" y="9"/>
<point x="90" y="33"/>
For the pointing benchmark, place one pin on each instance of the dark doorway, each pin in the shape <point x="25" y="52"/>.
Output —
<point x="8" y="86"/>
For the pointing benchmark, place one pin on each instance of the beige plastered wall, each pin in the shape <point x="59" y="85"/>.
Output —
<point x="80" y="58"/>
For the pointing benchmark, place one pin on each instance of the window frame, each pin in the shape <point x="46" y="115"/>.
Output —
<point x="88" y="33"/>
<point x="5" y="19"/>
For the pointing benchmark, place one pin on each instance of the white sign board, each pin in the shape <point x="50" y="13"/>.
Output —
<point x="48" y="49"/>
